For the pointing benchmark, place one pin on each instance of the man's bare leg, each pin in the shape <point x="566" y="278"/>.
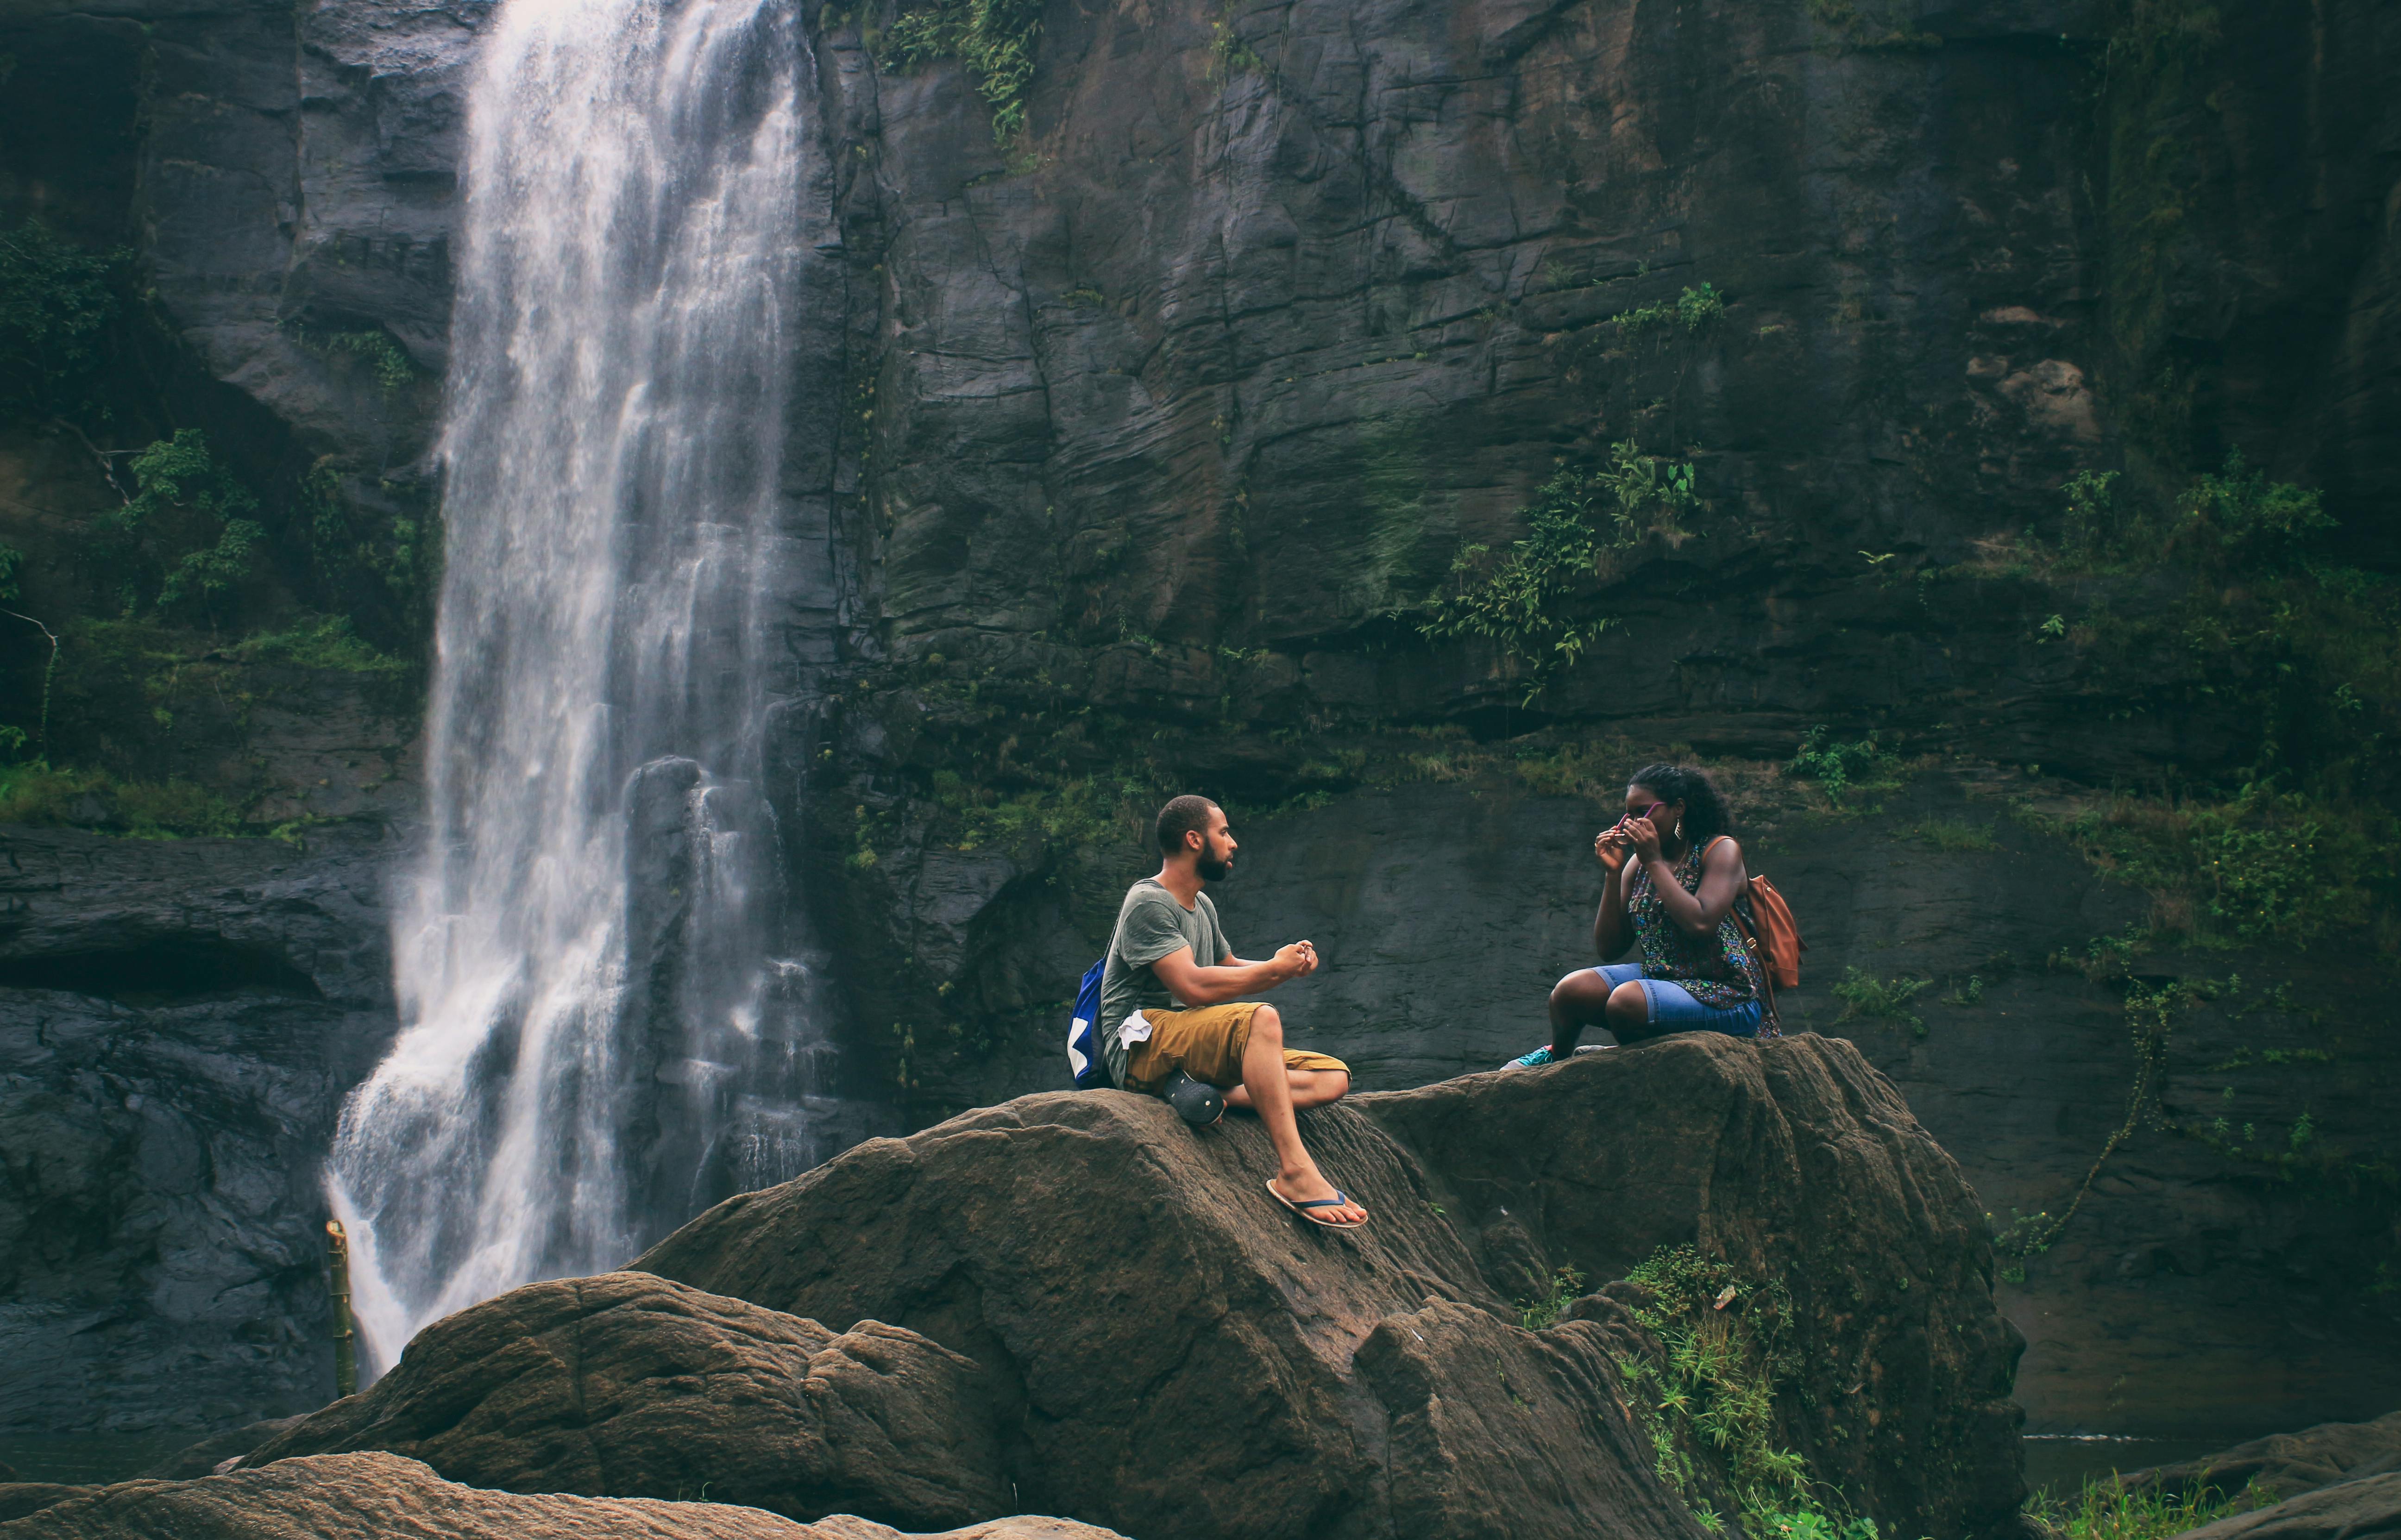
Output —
<point x="1310" y="1088"/>
<point x="1270" y="1087"/>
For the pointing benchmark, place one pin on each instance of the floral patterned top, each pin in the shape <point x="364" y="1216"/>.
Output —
<point x="1718" y="971"/>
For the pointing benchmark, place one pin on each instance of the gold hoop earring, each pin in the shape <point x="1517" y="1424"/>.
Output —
<point x="1679" y="828"/>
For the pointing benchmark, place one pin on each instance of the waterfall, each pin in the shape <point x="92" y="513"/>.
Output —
<point x="603" y="1026"/>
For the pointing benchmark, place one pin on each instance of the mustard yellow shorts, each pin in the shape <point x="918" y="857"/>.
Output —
<point x="1205" y="1043"/>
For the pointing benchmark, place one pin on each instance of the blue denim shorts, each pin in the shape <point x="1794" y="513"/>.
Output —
<point x="1672" y="1005"/>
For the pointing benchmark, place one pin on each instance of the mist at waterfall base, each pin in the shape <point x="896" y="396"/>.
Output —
<point x="603" y="1026"/>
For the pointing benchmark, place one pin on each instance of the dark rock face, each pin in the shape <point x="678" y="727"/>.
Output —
<point x="1169" y="409"/>
<point x="628" y="1385"/>
<point x="378" y="1496"/>
<point x="1175" y="1356"/>
<point x="180" y="1019"/>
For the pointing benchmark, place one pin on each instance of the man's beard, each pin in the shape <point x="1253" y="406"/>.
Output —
<point x="1215" y="871"/>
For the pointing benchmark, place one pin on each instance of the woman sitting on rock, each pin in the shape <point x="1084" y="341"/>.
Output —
<point x="1673" y="877"/>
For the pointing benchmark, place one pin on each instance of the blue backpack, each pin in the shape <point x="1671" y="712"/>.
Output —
<point x="1085" y="1059"/>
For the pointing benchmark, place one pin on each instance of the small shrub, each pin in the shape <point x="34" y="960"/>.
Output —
<point x="1863" y="994"/>
<point x="1519" y="600"/>
<point x="1712" y="1401"/>
<point x="394" y="369"/>
<point x="1696" y="309"/>
<point x="2091" y="522"/>
<point x="1956" y="834"/>
<point x="994" y="38"/>
<point x="2248" y="514"/>
<point x="1566" y="1288"/>
<point x="1865" y="764"/>
<point x="39" y="793"/>
<point x="319" y="641"/>
<point x="57" y="304"/>
<point x="183" y="538"/>
<point x="2103" y="1509"/>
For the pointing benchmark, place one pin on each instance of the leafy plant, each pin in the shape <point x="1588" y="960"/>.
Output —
<point x="1841" y="768"/>
<point x="57" y="304"/>
<point x="994" y="38"/>
<point x="2091" y="522"/>
<point x="1863" y="994"/>
<point x="1696" y="309"/>
<point x="1520" y="600"/>
<point x="184" y="536"/>
<point x="1566" y="1288"/>
<point x="2103" y="1508"/>
<point x="394" y="369"/>
<point x="317" y="641"/>
<point x="1709" y="1405"/>
<point x="2248" y="515"/>
<point x="38" y="794"/>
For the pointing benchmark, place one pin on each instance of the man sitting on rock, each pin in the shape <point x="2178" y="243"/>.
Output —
<point x="1164" y="1010"/>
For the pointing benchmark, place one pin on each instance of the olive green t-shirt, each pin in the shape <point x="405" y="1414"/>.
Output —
<point x="1151" y="924"/>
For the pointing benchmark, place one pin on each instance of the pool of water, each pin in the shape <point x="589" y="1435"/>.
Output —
<point x="2063" y="1461"/>
<point x="85" y="1457"/>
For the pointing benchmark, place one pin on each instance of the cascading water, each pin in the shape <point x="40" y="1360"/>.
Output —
<point x="597" y="1035"/>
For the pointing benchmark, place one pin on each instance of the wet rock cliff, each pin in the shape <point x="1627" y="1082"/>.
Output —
<point x="1138" y="436"/>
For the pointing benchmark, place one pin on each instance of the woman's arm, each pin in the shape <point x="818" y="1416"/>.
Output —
<point x="1721" y="881"/>
<point x="1611" y="931"/>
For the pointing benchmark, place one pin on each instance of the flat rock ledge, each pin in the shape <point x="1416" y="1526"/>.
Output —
<point x="380" y="1496"/>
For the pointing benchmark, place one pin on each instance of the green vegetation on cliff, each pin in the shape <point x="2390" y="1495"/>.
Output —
<point x="1533" y="602"/>
<point x="59" y="304"/>
<point x="994" y="39"/>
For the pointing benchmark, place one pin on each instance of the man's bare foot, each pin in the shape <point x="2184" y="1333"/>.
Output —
<point x="1311" y="1186"/>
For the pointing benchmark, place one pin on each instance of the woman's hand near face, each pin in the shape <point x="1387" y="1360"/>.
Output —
<point x="1643" y="835"/>
<point x="1610" y="847"/>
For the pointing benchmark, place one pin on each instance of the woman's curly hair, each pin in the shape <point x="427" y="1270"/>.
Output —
<point x="1707" y="814"/>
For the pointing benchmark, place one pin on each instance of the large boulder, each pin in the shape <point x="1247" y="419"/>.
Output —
<point x="2283" y="1465"/>
<point x="379" y="1496"/>
<point x="2366" y="1509"/>
<point x="1175" y="1355"/>
<point x="221" y="1451"/>
<point x="629" y="1384"/>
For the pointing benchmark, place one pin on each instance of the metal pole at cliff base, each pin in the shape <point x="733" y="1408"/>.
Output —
<point x="345" y="1357"/>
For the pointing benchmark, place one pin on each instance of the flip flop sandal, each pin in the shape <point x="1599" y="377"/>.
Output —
<point x="1336" y="1201"/>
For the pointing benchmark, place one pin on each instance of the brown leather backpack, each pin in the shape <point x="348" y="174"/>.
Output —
<point x="1773" y="936"/>
<point x="1766" y="922"/>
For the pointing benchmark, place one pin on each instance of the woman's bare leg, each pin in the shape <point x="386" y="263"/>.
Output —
<point x="1579" y="1001"/>
<point x="1629" y="1013"/>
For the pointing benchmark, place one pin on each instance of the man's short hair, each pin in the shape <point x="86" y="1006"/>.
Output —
<point x="1181" y="816"/>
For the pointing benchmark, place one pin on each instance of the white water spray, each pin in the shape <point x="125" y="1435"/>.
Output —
<point x="596" y="1035"/>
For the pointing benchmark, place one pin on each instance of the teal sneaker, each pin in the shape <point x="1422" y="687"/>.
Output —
<point x="1534" y="1060"/>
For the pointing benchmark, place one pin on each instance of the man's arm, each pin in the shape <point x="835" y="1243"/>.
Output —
<point x="1195" y="985"/>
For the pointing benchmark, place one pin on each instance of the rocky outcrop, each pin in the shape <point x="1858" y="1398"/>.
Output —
<point x="220" y="1450"/>
<point x="1172" y="1356"/>
<point x="2368" y="1509"/>
<point x="1166" y="411"/>
<point x="385" y="1497"/>
<point x="2283" y="1464"/>
<point x="629" y="1386"/>
<point x="178" y="1020"/>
